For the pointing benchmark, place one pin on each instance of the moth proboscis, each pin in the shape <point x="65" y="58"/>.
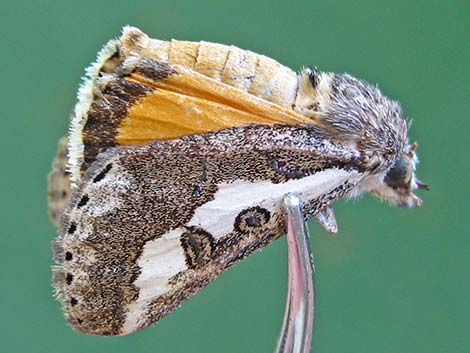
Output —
<point x="178" y="156"/>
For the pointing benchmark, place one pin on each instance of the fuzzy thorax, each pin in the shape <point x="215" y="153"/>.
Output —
<point x="357" y="114"/>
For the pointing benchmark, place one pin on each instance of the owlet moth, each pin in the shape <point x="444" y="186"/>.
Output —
<point x="176" y="161"/>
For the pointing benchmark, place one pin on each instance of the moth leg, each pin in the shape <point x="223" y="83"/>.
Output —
<point x="297" y="328"/>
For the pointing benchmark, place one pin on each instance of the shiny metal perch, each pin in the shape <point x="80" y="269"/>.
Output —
<point x="297" y="329"/>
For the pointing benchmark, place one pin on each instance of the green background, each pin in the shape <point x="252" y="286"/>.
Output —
<point x="392" y="280"/>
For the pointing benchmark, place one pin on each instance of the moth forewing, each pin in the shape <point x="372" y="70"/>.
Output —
<point x="151" y="225"/>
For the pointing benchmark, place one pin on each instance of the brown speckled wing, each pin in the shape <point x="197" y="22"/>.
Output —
<point x="149" y="226"/>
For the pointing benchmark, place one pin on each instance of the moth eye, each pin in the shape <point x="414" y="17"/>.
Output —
<point x="400" y="174"/>
<point x="73" y="301"/>
<point x="68" y="255"/>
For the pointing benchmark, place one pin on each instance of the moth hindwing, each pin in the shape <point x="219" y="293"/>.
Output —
<point x="179" y="155"/>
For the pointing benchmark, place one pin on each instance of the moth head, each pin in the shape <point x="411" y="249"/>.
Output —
<point x="397" y="183"/>
<point x="400" y="180"/>
<point x="357" y="115"/>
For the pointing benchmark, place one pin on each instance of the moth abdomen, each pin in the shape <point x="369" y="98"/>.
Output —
<point x="250" y="72"/>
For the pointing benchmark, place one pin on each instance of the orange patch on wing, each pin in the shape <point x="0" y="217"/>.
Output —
<point x="186" y="103"/>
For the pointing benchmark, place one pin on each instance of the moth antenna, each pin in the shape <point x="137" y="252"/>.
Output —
<point x="422" y="185"/>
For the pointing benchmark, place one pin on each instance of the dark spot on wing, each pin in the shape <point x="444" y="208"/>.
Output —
<point x="72" y="228"/>
<point x="83" y="201"/>
<point x="103" y="173"/>
<point x="198" y="246"/>
<point x="251" y="218"/>
<point x="154" y="69"/>
<point x="68" y="278"/>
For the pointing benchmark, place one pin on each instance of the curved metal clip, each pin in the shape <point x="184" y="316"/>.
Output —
<point x="297" y="329"/>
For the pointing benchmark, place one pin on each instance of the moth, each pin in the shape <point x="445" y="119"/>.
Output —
<point x="176" y="161"/>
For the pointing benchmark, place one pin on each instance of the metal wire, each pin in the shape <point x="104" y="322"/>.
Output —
<point x="297" y="329"/>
